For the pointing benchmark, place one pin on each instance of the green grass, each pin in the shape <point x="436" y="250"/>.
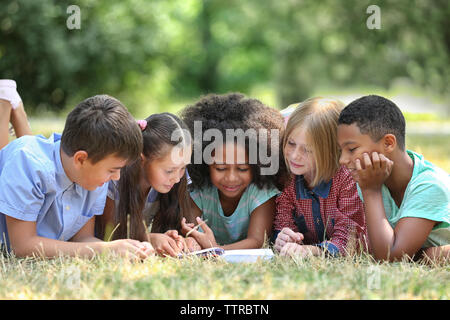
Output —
<point x="110" y="277"/>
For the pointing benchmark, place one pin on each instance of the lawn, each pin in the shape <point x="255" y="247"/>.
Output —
<point x="110" y="277"/>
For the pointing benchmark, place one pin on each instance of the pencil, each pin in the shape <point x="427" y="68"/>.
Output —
<point x="196" y="227"/>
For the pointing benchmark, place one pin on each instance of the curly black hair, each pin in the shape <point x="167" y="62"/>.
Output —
<point x="235" y="111"/>
<point x="375" y="116"/>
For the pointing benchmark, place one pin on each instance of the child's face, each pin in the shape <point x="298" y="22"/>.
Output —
<point x="96" y="175"/>
<point x="233" y="175"/>
<point x="353" y="144"/>
<point x="163" y="173"/>
<point x="299" y="154"/>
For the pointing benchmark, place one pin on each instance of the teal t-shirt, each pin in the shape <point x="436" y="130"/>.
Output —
<point x="427" y="196"/>
<point x="234" y="227"/>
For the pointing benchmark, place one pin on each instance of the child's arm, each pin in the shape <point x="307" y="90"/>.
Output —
<point x="285" y="229"/>
<point x="25" y="242"/>
<point x="259" y="228"/>
<point x="387" y="243"/>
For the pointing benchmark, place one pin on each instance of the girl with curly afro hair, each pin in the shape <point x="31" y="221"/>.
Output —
<point x="236" y="170"/>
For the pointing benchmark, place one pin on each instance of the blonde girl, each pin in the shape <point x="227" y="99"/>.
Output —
<point x="319" y="209"/>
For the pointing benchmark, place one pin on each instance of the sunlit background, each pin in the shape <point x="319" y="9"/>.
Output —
<point x="160" y="55"/>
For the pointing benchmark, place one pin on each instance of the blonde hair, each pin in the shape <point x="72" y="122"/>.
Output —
<point x="319" y="117"/>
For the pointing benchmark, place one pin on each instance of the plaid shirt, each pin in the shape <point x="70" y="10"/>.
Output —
<point x="327" y="216"/>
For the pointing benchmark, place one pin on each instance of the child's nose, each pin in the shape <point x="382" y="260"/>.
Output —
<point x="231" y="176"/>
<point x="116" y="175"/>
<point x="343" y="161"/>
<point x="176" y="179"/>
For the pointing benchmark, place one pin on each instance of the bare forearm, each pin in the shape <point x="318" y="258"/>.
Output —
<point x="381" y="234"/>
<point x="249" y="243"/>
<point x="50" y="248"/>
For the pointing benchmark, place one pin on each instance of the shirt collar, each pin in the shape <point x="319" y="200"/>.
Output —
<point x="60" y="175"/>
<point x="302" y="192"/>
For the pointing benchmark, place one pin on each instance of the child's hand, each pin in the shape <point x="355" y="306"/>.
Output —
<point x="133" y="249"/>
<point x="205" y="239"/>
<point x="285" y="236"/>
<point x="178" y="238"/>
<point x="292" y="249"/>
<point x="371" y="173"/>
<point x="186" y="227"/>
<point x="166" y="245"/>
<point x="192" y="244"/>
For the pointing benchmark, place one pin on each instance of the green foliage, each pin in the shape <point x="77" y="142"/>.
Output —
<point x="159" y="52"/>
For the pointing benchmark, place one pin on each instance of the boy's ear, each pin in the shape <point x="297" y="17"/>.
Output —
<point x="80" y="157"/>
<point x="389" y="142"/>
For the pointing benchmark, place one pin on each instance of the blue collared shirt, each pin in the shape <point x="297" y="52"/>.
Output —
<point x="34" y="187"/>
<point x="321" y="190"/>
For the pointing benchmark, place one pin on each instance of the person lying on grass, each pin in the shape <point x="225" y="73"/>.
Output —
<point x="52" y="189"/>
<point x="406" y="198"/>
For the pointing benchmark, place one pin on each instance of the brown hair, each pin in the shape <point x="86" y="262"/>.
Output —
<point x="319" y="116"/>
<point x="175" y="204"/>
<point x="101" y="125"/>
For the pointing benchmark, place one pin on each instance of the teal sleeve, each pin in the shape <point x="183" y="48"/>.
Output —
<point x="260" y="196"/>
<point x="428" y="200"/>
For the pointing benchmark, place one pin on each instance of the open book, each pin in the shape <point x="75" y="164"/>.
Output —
<point x="242" y="255"/>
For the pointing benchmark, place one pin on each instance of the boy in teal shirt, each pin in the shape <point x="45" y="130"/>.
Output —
<point x="407" y="199"/>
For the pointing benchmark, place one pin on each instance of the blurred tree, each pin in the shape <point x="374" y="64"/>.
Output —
<point x="158" y="51"/>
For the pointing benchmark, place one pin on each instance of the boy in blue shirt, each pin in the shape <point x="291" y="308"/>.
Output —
<point x="52" y="189"/>
<point x="406" y="198"/>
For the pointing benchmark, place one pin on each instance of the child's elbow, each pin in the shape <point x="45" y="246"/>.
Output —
<point x="22" y="249"/>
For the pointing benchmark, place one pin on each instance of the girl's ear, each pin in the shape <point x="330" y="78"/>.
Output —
<point x="142" y="157"/>
<point x="80" y="157"/>
<point x="389" y="142"/>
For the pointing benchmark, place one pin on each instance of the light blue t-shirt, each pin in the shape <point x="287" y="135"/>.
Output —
<point x="234" y="227"/>
<point x="427" y="196"/>
<point x="34" y="187"/>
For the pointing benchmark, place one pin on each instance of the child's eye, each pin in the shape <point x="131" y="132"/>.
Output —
<point x="169" y="171"/>
<point x="352" y="149"/>
<point x="243" y="169"/>
<point x="220" y="169"/>
<point x="291" y="143"/>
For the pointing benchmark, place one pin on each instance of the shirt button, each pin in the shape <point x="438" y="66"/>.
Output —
<point x="67" y="208"/>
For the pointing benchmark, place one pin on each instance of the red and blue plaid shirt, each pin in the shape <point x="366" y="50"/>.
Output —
<point x="328" y="215"/>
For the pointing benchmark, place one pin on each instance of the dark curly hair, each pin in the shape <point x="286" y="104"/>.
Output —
<point x="375" y="116"/>
<point x="235" y="111"/>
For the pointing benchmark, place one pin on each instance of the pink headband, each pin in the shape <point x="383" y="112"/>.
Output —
<point x="142" y="124"/>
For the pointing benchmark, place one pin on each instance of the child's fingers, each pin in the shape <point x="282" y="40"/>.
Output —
<point x="185" y="227"/>
<point x="376" y="161"/>
<point x="172" y="233"/>
<point x="366" y="161"/>
<point x="358" y="165"/>
<point x="204" y="226"/>
<point x="291" y="235"/>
